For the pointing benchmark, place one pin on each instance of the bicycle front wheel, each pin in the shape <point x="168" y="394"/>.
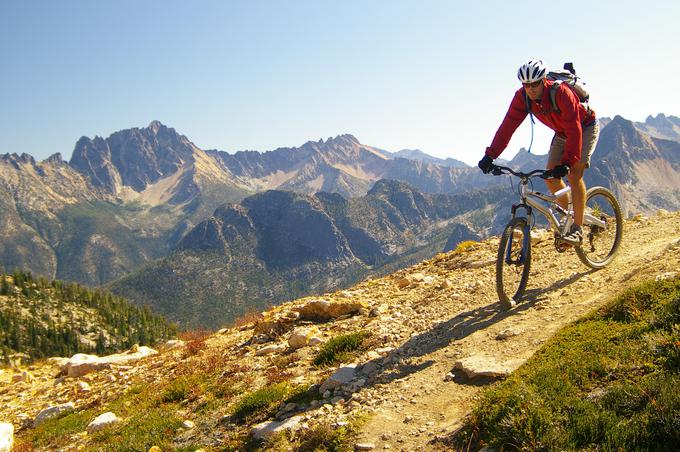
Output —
<point x="513" y="262"/>
<point x="602" y="228"/>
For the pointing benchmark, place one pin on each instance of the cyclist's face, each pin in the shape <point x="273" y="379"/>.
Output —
<point x="534" y="90"/>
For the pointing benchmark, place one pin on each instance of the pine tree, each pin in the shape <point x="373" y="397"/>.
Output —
<point x="4" y="286"/>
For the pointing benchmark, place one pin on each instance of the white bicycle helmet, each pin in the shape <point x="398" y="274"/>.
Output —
<point x="531" y="72"/>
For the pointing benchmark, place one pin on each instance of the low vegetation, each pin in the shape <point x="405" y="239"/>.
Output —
<point x="608" y="382"/>
<point x="340" y="348"/>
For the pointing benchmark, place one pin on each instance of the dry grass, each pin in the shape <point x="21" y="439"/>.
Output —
<point x="248" y="318"/>
<point x="195" y="341"/>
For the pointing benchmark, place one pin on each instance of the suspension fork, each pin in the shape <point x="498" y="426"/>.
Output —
<point x="526" y="234"/>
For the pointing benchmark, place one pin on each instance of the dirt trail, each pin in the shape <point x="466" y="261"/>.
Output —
<point x="425" y="404"/>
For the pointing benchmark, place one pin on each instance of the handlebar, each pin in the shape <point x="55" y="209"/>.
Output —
<point x="497" y="170"/>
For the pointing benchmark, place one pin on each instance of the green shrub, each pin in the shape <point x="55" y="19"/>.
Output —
<point x="177" y="391"/>
<point x="261" y="401"/>
<point x="339" y="348"/>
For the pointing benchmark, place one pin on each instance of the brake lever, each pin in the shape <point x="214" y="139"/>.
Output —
<point x="547" y="174"/>
<point x="496" y="171"/>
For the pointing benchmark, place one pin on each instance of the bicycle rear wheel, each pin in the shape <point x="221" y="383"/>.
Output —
<point x="513" y="262"/>
<point x="602" y="228"/>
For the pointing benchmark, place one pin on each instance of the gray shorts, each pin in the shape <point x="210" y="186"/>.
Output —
<point x="588" y="143"/>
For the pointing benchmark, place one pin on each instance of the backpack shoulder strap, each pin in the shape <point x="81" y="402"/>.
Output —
<point x="527" y="103"/>
<point x="553" y="93"/>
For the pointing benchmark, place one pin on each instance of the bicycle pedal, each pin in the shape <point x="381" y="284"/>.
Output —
<point x="561" y="246"/>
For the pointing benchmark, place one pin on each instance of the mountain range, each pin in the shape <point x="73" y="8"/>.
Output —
<point x="279" y="245"/>
<point x="150" y="197"/>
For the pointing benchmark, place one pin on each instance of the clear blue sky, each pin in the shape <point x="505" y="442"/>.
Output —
<point x="235" y="75"/>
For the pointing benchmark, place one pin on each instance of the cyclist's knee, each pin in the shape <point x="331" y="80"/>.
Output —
<point x="576" y="172"/>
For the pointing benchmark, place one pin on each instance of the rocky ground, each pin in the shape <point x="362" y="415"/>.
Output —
<point x="438" y="337"/>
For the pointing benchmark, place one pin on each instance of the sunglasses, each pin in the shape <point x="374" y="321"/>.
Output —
<point x="535" y="84"/>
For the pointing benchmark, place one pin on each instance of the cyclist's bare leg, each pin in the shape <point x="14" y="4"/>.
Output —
<point x="578" y="191"/>
<point x="555" y="185"/>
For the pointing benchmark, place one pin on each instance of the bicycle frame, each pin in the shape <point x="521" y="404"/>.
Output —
<point x="529" y="202"/>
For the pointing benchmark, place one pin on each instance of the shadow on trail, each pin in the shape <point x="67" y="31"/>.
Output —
<point x="398" y="364"/>
<point x="534" y="295"/>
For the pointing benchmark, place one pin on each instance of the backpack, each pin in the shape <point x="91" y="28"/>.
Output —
<point x="573" y="82"/>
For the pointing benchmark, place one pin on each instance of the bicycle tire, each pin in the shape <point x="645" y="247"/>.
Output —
<point x="600" y="245"/>
<point x="512" y="274"/>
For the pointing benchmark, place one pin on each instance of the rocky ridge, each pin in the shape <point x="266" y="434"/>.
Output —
<point x="437" y="338"/>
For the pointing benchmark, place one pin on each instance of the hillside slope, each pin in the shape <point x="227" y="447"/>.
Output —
<point x="421" y="321"/>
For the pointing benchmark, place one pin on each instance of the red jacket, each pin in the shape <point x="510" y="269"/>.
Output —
<point x="573" y="115"/>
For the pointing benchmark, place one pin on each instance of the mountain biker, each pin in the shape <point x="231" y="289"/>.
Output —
<point x="576" y="133"/>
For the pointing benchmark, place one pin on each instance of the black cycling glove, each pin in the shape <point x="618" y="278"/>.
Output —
<point x="486" y="164"/>
<point x="560" y="171"/>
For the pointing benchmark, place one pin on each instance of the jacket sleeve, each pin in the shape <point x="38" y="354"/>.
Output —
<point x="513" y="118"/>
<point x="568" y="104"/>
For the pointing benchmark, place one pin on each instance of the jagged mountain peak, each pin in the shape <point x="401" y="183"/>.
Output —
<point x="133" y="158"/>
<point x="343" y="139"/>
<point x="155" y="126"/>
<point x="55" y="159"/>
<point x="662" y="119"/>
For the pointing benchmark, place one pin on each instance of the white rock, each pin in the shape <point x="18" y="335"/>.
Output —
<point x="269" y="428"/>
<point x="540" y="235"/>
<point x="53" y="412"/>
<point x="188" y="424"/>
<point x="484" y="366"/>
<point x="174" y="343"/>
<point x="364" y="446"/>
<point x="83" y="387"/>
<point x="273" y="348"/>
<point x="300" y="337"/>
<point x="6" y="436"/>
<point x="82" y="364"/>
<point x="340" y="377"/>
<point x="102" y="421"/>
<point x="315" y="341"/>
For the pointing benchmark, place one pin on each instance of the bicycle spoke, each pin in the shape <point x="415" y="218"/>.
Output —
<point x="602" y="228"/>
<point x="513" y="263"/>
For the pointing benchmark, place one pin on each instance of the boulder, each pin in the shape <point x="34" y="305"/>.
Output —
<point x="485" y="366"/>
<point x="269" y="428"/>
<point x="82" y="364"/>
<point x="273" y="348"/>
<point x="6" y="436"/>
<point x="174" y="343"/>
<point x="52" y="412"/>
<point x="340" y="378"/>
<point x="325" y="310"/>
<point x="300" y="337"/>
<point x="102" y="421"/>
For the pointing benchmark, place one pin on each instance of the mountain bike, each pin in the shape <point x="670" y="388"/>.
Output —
<point x="602" y="231"/>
